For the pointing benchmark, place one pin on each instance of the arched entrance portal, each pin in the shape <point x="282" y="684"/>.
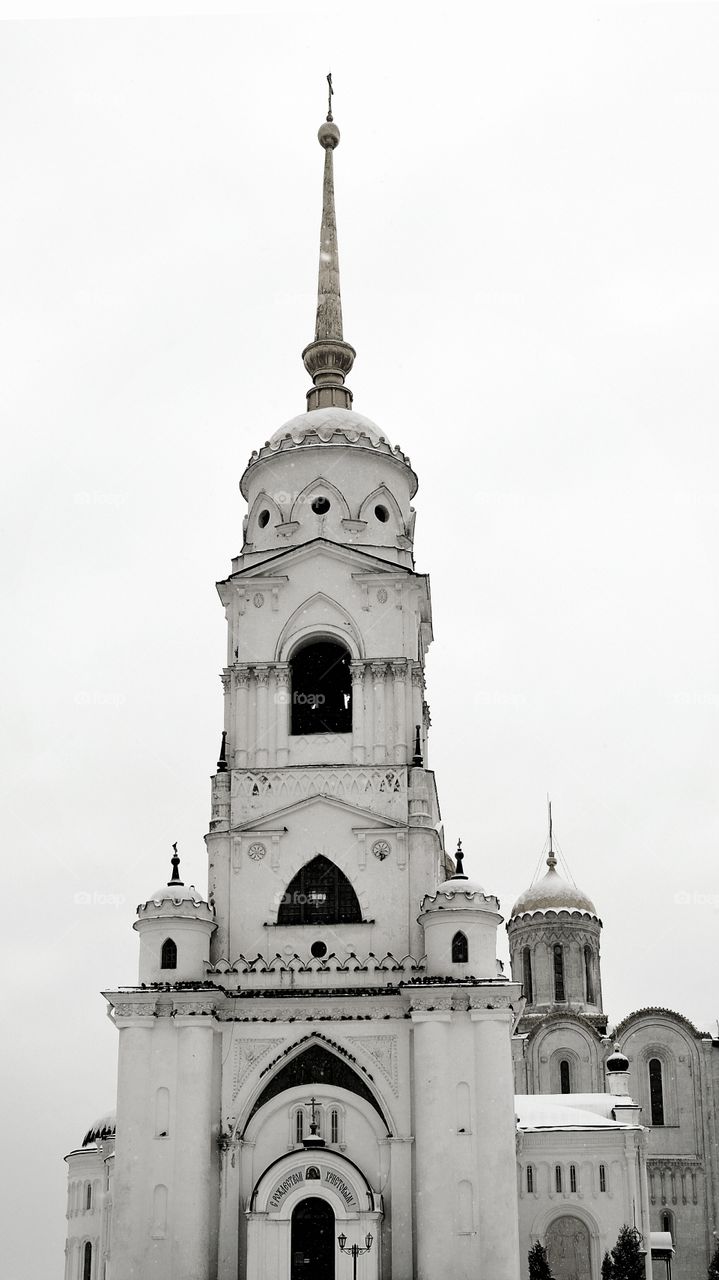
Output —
<point x="313" y="1240"/>
<point x="568" y="1249"/>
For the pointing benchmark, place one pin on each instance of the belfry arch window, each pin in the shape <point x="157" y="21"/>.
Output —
<point x="527" y="975"/>
<point x="168" y="959"/>
<point x="320" y="893"/>
<point x="460" y="949"/>
<point x="565" y="1077"/>
<point x="87" y="1261"/>
<point x="558" y="966"/>
<point x="321" y="683"/>
<point x="588" y="975"/>
<point x="656" y="1092"/>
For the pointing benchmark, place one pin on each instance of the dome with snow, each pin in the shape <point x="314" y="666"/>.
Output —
<point x="552" y="893"/>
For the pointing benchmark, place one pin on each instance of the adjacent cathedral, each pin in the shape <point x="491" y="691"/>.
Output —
<point x="323" y="1071"/>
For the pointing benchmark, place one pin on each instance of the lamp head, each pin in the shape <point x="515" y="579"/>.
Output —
<point x="342" y="1240"/>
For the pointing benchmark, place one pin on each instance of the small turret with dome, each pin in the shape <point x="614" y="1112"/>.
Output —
<point x="175" y="926"/>
<point x="554" y="936"/>
<point x="460" y="923"/>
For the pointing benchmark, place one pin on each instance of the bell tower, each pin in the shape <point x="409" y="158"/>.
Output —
<point x="325" y="831"/>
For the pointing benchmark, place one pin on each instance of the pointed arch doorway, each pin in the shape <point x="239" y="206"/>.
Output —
<point x="312" y="1247"/>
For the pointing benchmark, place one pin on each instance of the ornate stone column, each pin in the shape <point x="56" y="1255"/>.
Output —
<point x="242" y="686"/>
<point x="358" y="726"/>
<point x="399" y="673"/>
<point x="262" y="725"/>
<point x="417" y="704"/>
<point x="378" y="677"/>
<point x="282" y="712"/>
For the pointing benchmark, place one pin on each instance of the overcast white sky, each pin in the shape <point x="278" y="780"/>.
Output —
<point x="528" y="202"/>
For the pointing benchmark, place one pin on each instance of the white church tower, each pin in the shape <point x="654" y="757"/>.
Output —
<point x="315" y="1070"/>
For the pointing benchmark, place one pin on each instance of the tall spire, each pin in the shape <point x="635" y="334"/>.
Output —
<point x="551" y="859"/>
<point x="329" y="358"/>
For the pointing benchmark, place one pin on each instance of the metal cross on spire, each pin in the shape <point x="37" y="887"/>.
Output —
<point x="551" y="860"/>
<point x="329" y="97"/>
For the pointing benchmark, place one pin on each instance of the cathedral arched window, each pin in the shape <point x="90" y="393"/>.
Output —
<point x="321" y="684"/>
<point x="656" y="1092"/>
<point x="558" y="1177"/>
<point x="602" y="1177"/>
<point x="668" y="1222"/>
<point x="319" y="894"/>
<point x="334" y="1126"/>
<point x="527" y="975"/>
<point x="88" y="1196"/>
<point x="558" y="966"/>
<point x="87" y="1261"/>
<point x="168" y="958"/>
<point x="588" y="976"/>
<point x="572" y="1177"/>
<point x="565" y="1077"/>
<point x="299" y="1125"/>
<point x="530" y="1178"/>
<point x="460" y="949"/>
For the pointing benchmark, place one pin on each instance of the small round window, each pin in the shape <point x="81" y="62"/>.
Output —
<point x="320" y="506"/>
<point x="382" y="514"/>
<point x="264" y="519"/>
<point x="318" y="950"/>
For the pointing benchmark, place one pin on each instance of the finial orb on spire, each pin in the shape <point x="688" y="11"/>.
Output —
<point x="328" y="135"/>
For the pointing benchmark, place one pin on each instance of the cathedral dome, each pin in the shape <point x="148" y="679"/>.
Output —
<point x="327" y="423"/>
<point x="552" y="893"/>
<point x="102" y="1128"/>
<point x="176" y="893"/>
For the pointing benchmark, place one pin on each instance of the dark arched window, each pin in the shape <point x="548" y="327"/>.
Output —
<point x="299" y="1126"/>
<point x="321" y="683"/>
<point x="572" y="1177"/>
<point x="334" y="1126"/>
<point x="602" y="1177"/>
<point x="527" y="975"/>
<point x="668" y="1222"/>
<point x="87" y="1262"/>
<point x="319" y="894"/>
<point x="558" y="959"/>
<point x="168" y="959"/>
<point x="460" y="949"/>
<point x="558" y="1177"/>
<point x="530" y="1178"/>
<point x="656" y="1091"/>
<point x="565" y="1078"/>
<point x="588" y="978"/>
<point x="88" y="1196"/>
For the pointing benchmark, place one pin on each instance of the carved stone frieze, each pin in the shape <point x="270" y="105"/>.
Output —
<point x="246" y="1056"/>
<point x="381" y="790"/>
<point x="384" y="1051"/>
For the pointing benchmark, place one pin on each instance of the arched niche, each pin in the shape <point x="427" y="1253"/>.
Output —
<point x="261" y="520"/>
<point x="315" y="1065"/>
<point x="319" y="894"/>
<point x="322" y="618"/>
<point x="310" y="502"/>
<point x="377" y="526"/>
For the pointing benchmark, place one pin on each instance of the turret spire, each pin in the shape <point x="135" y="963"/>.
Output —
<point x="551" y="860"/>
<point x="329" y="358"/>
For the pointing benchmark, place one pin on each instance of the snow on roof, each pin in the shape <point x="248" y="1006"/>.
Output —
<point x="566" y="1111"/>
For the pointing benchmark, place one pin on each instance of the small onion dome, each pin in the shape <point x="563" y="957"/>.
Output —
<point x="552" y="893"/>
<point x="458" y="883"/>
<point x="617" y="1061"/>
<point x="177" y="893"/>
<point x="100" y="1130"/>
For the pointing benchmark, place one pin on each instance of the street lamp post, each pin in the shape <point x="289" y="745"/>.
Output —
<point x="355" y="1250"/>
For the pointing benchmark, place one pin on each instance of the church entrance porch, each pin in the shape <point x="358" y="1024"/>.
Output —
<point x="299" y="1208"/>
<point x="312" y="1242"/>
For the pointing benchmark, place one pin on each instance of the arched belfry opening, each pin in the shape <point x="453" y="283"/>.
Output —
<point x="321" y="685"/>
<point x="320" y="893"/>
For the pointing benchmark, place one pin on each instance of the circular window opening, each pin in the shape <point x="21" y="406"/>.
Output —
<point x="382" y="514"/>
<point x="264" y="519"/>
<point x="318" y="950"/>
<point x="320" y="506"/>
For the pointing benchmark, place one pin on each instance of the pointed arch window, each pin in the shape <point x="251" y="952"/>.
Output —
<point x="588" y="975"/>
<point x="168" y="959"/>
<point x="460" y="949"/>
<point x="87" y="1261"/>
<point x="558" y="965"/>
<point x="530" y="1179"/>
<point x="319" y="894"/>
<point x="565" y="1077"/>
<point x="321" y="684"/>
<point x="656" y="1092"/>
<point x="527" y="975"/>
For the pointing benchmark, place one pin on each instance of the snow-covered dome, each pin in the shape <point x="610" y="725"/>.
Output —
<point x="327" y="423"/>
<point x="552" y="893"/>
<point x="176" y="893"/>
<point x="102" y="1128"/>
